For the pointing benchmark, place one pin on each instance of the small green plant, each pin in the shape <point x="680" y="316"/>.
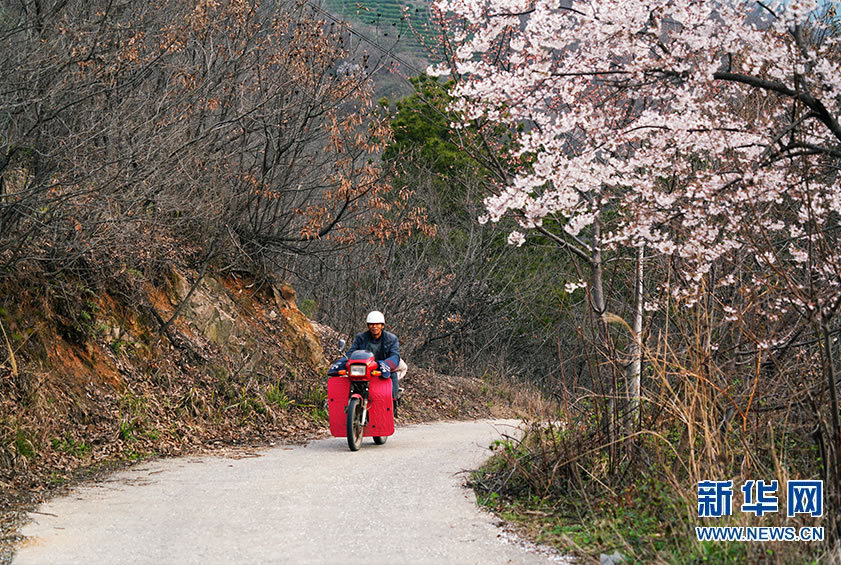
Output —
<point x="276" y="396"/>
<point x="316" y="396"/>
<point x="132" y="455"/>
<point x="132" y="414"/>
<point x="85" y="321"/>
<point x="24" y="444"/>
<point x="257" y="405"/>
<point x="119" y="344"/>
<point x="308" y="306"/>
<point x="316" y="400"/>
<point x="71" y="446"/>
<point x="126" y="432"/>
<point x="57" y="479"/>
<point x="78" y="312"/>
<point x="490" y="500"/>
<point x="248" y="404"/>
<point x="321" y="415"/>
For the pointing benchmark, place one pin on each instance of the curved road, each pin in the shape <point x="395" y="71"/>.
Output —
<point x="398" y="503"/>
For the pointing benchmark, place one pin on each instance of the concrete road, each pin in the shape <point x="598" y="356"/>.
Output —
<point x="402" y="502"/>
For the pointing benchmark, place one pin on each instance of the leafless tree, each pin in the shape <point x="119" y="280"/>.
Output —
<point x="135" y="135"/>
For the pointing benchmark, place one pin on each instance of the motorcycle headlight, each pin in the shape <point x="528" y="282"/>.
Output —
<point x="357" y="370"/>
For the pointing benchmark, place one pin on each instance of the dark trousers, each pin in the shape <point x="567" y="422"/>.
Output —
<point x="394" y="387"/>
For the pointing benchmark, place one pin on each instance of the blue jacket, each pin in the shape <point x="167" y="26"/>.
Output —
<point x="387" y="348"/>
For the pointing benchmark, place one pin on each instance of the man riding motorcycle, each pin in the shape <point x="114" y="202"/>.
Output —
<point x="385" y="347"/>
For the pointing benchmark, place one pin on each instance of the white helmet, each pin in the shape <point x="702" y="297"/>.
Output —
<point x="375" y="317"/>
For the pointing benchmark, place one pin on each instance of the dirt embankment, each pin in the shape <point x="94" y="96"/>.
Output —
<point x="90" y="382"/>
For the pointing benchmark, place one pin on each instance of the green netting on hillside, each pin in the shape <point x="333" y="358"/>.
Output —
<point x="404" y="25"/>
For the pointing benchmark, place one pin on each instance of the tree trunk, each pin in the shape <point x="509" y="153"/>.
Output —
<point x="597" y="291"/>
<point x="833" y="472"/>
<point x="635" y="369"/>
<point x="609" y="422"/>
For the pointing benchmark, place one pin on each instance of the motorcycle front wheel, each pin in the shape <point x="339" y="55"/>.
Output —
<point x="355" y="426"/>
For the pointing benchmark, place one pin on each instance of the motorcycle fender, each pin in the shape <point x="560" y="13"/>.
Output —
<point x="338" y="389"/>
<point x="380" y="415"/>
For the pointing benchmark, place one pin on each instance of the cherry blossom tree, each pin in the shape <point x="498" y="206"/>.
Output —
<point x="705" y="131"/>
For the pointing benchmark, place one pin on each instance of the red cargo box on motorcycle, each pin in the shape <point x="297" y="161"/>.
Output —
<point x="360" y="402"/>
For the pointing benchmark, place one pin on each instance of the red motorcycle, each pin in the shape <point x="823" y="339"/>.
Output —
<point x="360" y="402"/>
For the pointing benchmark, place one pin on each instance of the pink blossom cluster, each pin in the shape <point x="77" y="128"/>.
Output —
<point x="712" y="127"/>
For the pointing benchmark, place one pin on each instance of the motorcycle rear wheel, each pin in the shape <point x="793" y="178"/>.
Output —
<point x="355" y="426"/>
<point x="379" y="440"/>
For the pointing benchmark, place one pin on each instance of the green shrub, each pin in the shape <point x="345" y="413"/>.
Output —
<point x="71" y="446"/>
<point x="275" y="395"/>
<point x="24" y="444"/>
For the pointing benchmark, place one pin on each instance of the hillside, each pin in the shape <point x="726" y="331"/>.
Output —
<point x="399" y="37"/>
<point x="87" y="390"/>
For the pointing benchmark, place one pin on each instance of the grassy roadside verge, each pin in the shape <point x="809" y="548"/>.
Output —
<point x="641" y="530"/>
<point x="557" y="492"/>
